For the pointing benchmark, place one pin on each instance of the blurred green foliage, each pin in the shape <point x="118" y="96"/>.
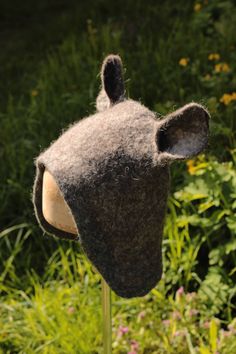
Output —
<point x="173" y="53"/>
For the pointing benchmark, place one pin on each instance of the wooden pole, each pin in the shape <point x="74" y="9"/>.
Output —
<point x="106" y="310"/>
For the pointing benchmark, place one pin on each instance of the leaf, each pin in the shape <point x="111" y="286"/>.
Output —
<point x="230" y="246"/>
<point x="215" y="256"/>
<point x="232" y="271"/>
<point x="218" y="129"/>
<point x="187" y="196"/>
<point x="204" y="350"/>
<point x="213" y="291"/>
<point x="193" y="191"/>
<point x="158" y="294"/>
<point x="231" y="222"/>
<point x="204" y="206"/>
<point x="220" y="213"/>
<point x="189" y="342"/>
<point x="194" y="220"/>
<point x="213" y="335"/>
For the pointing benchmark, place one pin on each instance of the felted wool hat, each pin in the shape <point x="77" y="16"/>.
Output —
<point x="112" y="169"/>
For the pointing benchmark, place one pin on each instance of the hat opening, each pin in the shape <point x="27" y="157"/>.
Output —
<point x="51" y="209"/>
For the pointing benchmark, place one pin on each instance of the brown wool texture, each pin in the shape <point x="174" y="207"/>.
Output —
<point x="112" y="169"/>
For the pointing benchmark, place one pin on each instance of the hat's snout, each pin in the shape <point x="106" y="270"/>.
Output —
<point x="131" y="285"/>
<point x="135" y="272"/>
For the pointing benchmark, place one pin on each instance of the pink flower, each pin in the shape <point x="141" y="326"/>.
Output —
<point x="122" y="330"/>
<point x="70" y="310"/>
<point x="206" y="324"/>
<point x="141" y="315"/>
<point x="226" y="333"/>
<point x="166" y="322"/>
<point x="180" y="291"/>
<point x="193" y="312"/>
<point x="133" y="352"/>
<point x="231" y="329"/>
<point x="134" y="345"/>
<point x="176" y="315"/>
<point x="179" y="333"/>
<point x="190" y="296"/>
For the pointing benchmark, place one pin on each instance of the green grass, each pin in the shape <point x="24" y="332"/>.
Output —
<point x="50" y="296"/>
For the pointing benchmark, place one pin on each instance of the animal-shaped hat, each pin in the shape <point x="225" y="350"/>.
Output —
<point x="112" y="169"/>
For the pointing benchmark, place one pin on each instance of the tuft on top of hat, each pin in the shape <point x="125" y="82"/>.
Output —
<point x="112" y="173"/>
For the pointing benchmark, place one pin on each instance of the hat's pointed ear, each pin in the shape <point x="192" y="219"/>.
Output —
<point x="184" y="133"/>
<point x="113" y="89"/>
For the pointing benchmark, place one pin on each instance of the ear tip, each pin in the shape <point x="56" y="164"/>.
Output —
<point x="114" y="59"/>
<point x="111" y="63"/>
<point x="112" y="78"/>
<point x="198" y="108"/>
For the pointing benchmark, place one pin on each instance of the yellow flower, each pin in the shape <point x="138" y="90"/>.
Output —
<point x="34" y="93"/>
<point x="191" y="167"/>
<point x="197" y="7"/>
<point x="227" y="98"/>
<point x="183" y="61"/>
<point x="207" y="77"/>
<point x="222" y="68"/>
<point x="196" y="166"/>
<point x="214" y="56"/>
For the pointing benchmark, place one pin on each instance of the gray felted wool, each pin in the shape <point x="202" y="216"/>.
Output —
<point x="112" y="169"/>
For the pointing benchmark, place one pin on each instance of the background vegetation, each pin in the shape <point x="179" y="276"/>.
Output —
<point x="174" y="53"/>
